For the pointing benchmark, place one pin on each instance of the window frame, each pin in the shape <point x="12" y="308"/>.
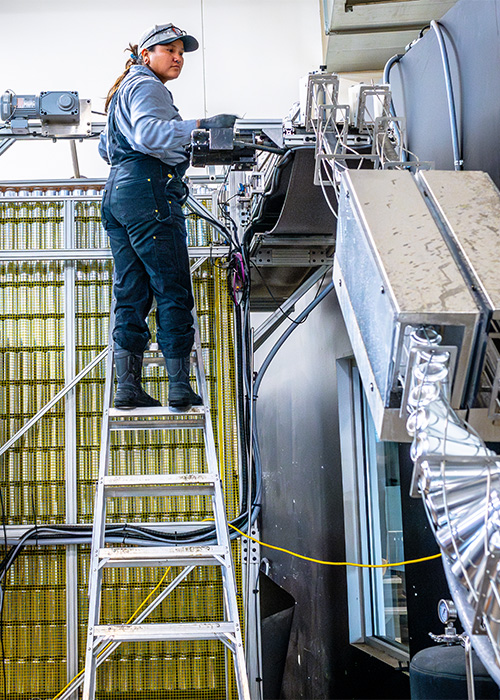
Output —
<point x="356" y="517"/>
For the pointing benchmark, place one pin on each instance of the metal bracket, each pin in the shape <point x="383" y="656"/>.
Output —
<point x="381" y="92"/>
<point x="383" y="142"/>
<point x="324" y="85"/>
<point x="452" y="350"/>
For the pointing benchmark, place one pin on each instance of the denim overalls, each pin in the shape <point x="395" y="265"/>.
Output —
<point x="142" y="214"/>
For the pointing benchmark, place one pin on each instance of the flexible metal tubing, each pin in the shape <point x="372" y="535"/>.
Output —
<point x="386" y="79"/>
<point x="387" y="69"/>
<point x="457" y="156"/>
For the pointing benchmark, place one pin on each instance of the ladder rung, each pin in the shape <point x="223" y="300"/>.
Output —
<point x="155" y="412"/>
<point x="173" y="631"/>
<point x="162" y="417"/>
<point x="163" y="556"/>
<point x="155" y="349"/>
<point x="153" y="360"/>
<point x="160" y="485"/>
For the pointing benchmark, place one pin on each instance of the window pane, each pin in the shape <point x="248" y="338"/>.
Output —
<point x="388" y="590"/>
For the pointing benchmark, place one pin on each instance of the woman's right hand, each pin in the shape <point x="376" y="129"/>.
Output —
<point x="220" y="121"/>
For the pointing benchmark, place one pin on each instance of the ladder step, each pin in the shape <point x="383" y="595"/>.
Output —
<point x="163" y="417"/>
<point x="153" y="361"/>
<point x="170" y="632"/>
<point x="155" y="412"/>
<point x="161" y="485"/>
<point x="153" y="356"/>
<point x="162" y="556"/>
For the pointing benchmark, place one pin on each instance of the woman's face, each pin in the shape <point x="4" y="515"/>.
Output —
<point x="165" y="60"/>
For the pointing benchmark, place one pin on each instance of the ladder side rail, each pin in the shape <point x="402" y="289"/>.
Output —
<point x="98" y="534"/>
<point x="228" y="575"/>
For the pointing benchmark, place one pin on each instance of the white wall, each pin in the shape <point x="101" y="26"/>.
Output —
<point x="252" y="53"/>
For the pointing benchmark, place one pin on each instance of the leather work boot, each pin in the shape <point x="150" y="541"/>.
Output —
<point x="180" y="394"/>
<point x="129" y="393"/>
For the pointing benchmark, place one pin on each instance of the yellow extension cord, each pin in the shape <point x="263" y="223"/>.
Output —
<point x="334" y="563"/>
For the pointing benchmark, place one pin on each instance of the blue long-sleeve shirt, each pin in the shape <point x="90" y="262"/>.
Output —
<point x="147" y="117"/>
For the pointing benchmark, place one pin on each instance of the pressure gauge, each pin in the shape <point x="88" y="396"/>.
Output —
<point x="447" y="611"/>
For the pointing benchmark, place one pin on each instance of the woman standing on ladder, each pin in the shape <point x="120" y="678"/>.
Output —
<point x="146" y="143"/>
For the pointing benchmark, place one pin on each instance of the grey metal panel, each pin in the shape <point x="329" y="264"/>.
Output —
<point x="393" y="269"/>
<point x="365" y="37"/>
<point x="411" y="254"/>
<point x="385" y="14"/>
<point x="471" y="36"/>
<point x="469" y="203"/>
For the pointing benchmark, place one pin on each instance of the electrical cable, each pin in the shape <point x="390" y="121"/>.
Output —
<point x="386" y="79"/>
<point x="203" y="213"/>
<point x="221" y="205"/>
<point x="457" y="156"/>
<point x="337" y="563"/>
<point x="260" y="147"/>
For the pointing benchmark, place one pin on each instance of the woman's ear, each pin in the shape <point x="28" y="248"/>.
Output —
<point x="145" y="56"/>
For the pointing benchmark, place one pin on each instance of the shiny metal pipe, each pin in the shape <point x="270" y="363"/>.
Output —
<point x="457" y="496"/>
<point x="475" y="552"/>
<point x="456" y="534"/>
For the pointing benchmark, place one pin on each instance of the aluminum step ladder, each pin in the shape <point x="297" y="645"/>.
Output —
<point x="102" y="639"/>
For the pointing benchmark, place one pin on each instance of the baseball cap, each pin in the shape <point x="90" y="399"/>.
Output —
<point x="166" y="34"/>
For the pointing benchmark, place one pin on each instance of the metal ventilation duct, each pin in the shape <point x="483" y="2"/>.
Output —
<point x="363" y="34"/>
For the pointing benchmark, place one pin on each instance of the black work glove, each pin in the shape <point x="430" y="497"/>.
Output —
<point x="220" y="121"/>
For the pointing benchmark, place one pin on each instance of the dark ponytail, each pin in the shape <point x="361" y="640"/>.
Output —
<point x="135" y="59"/>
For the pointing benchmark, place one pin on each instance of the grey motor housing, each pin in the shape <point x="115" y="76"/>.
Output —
<point x="48" y="107"/>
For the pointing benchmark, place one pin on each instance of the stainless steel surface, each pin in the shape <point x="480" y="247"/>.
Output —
<point x="164" y="484"/>
<point x="469" y="670"/>
<point x="198" y="422"/>
<point x="322" y="90"/>
<point x="464" y="515"/>
<point x="162" y="556"/>
<point x="179" y="631"/>
<point x="409" y="251"/>
<point x="465" y="610"/>
<point x="469" y="204"/>
<point x="74" y="159"/>
<point x="392" y="270"/>
<point x="5" y="143"/>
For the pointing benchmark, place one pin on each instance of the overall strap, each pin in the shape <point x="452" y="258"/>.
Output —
<point x="117" y="144"/>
